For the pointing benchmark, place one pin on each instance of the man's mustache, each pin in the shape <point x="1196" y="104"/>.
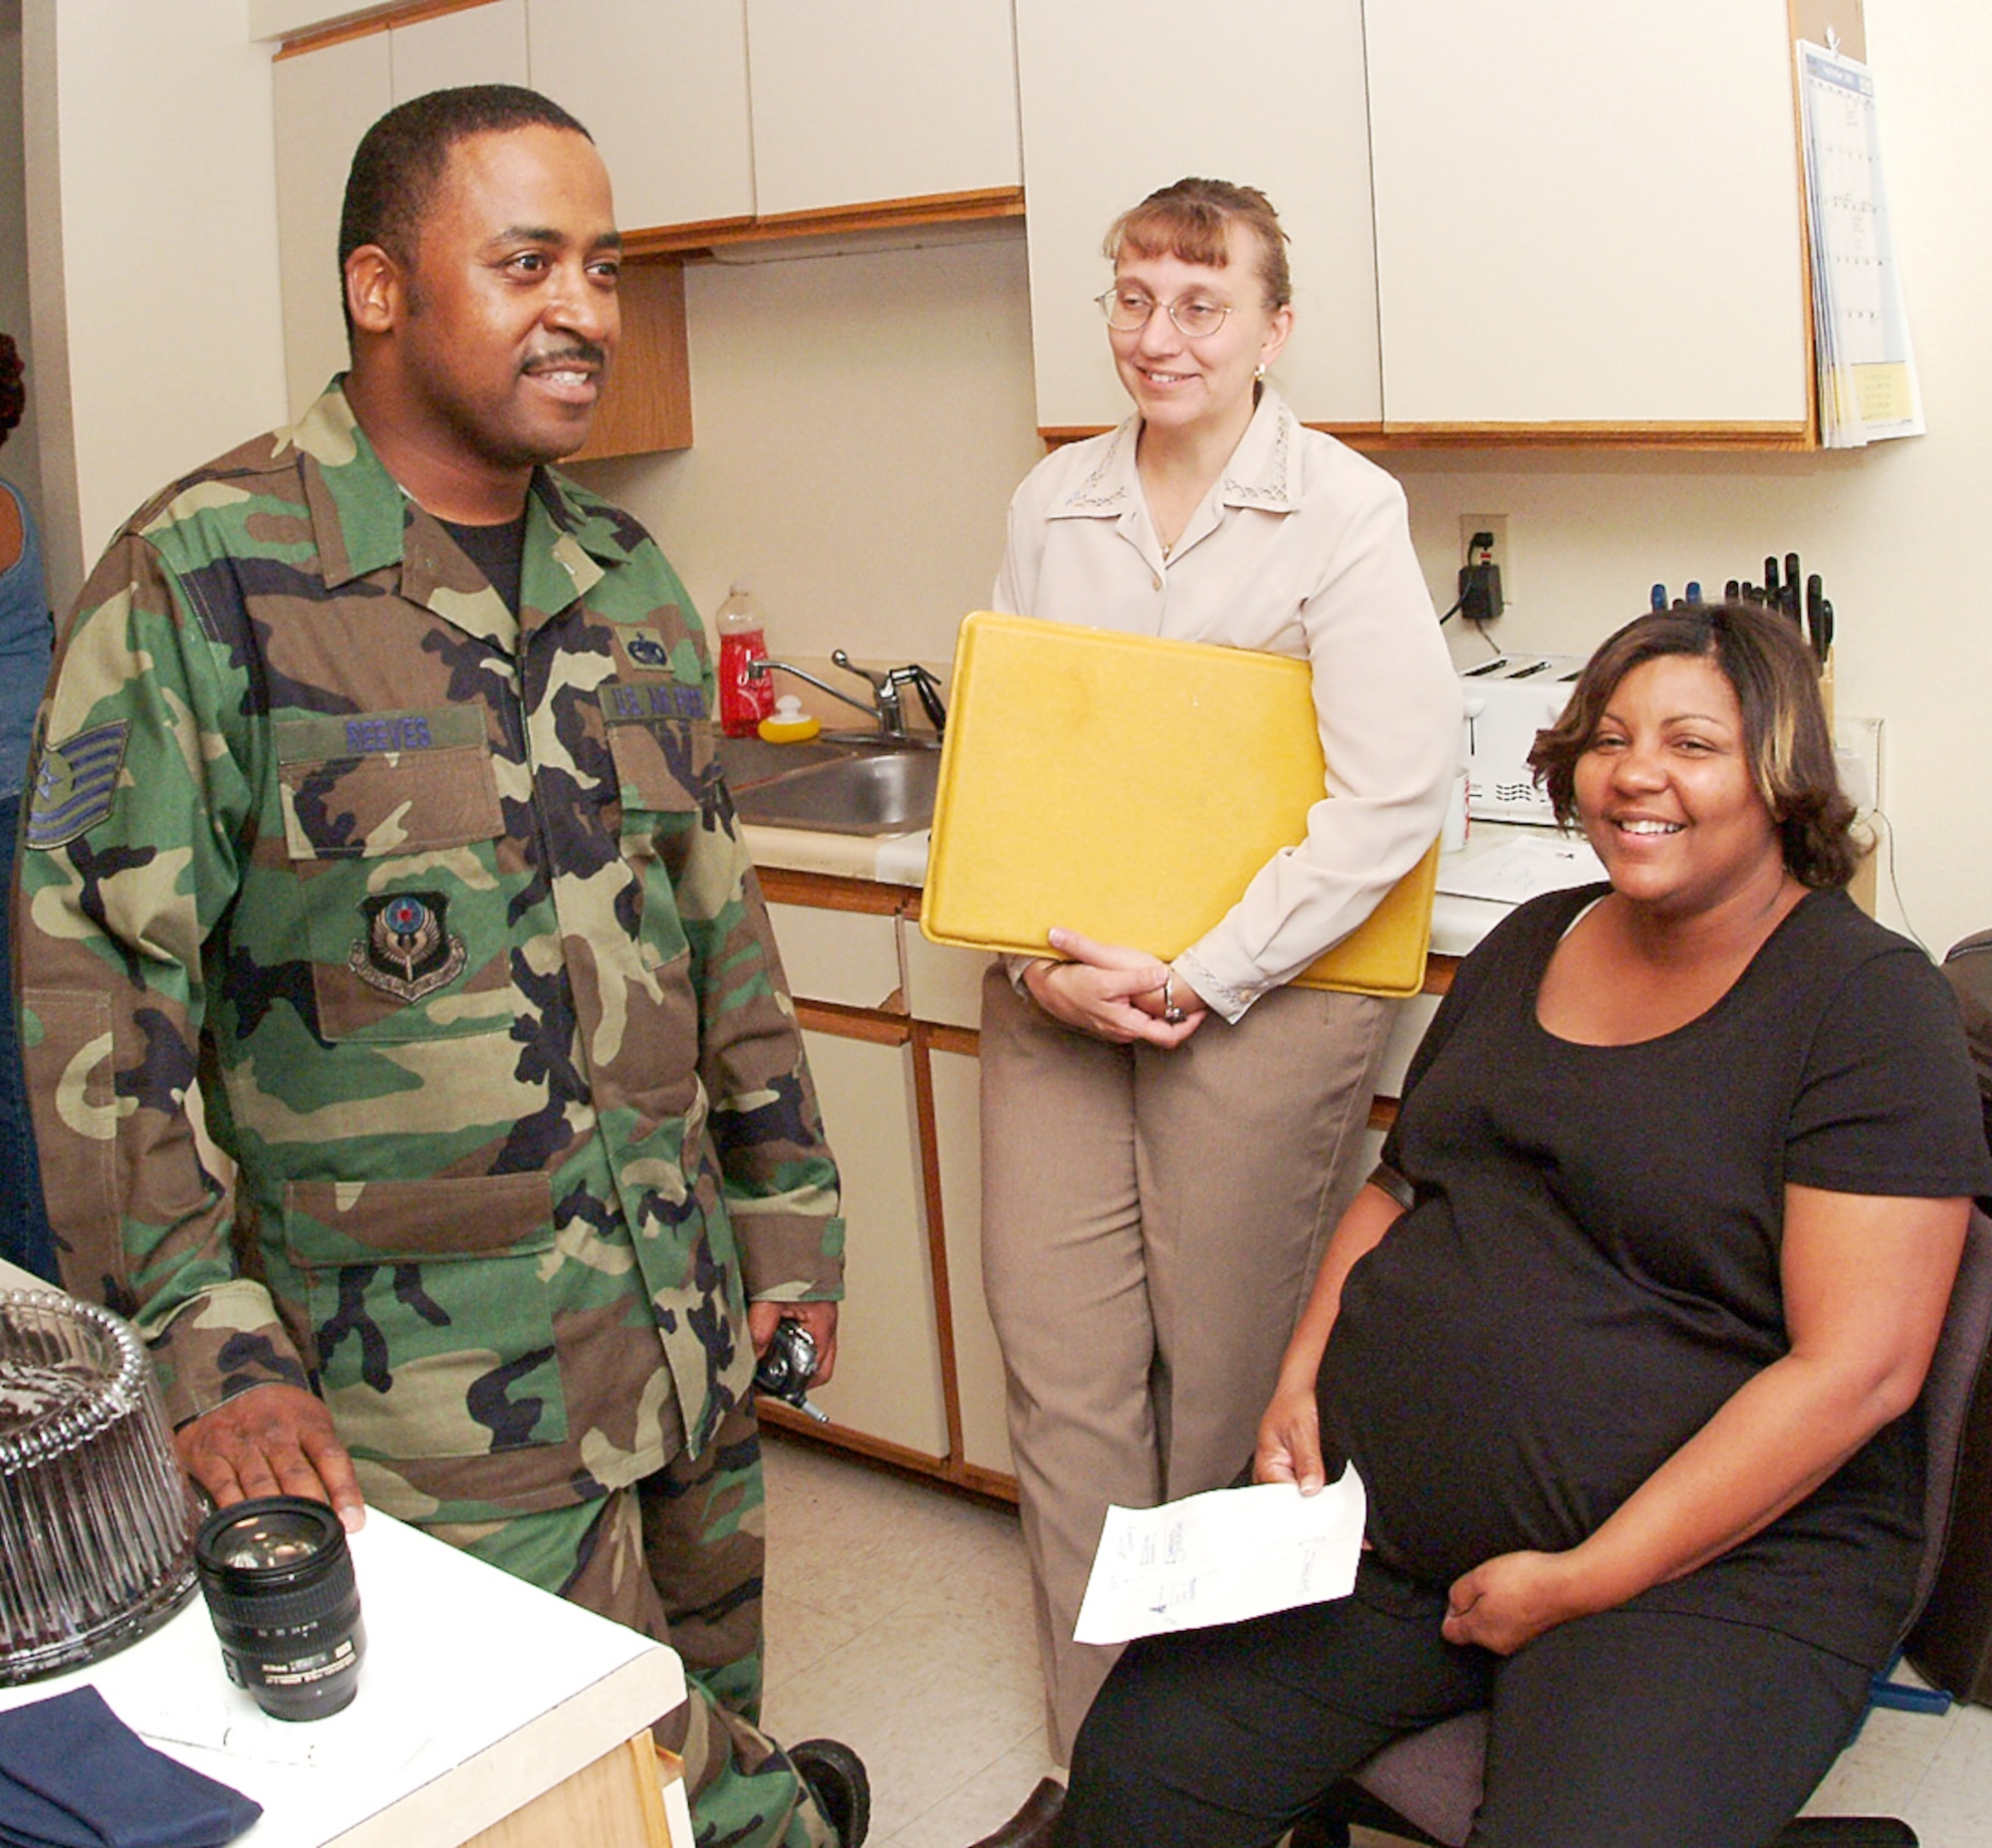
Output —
<point x="581" y="353"/>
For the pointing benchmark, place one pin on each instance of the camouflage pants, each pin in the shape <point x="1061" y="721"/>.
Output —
<point x="678" y="1556"/>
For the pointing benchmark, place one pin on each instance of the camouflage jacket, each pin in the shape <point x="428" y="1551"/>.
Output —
<point x="441" y="919"/>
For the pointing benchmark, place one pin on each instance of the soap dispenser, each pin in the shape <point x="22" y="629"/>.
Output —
<point x="744" y="699"/>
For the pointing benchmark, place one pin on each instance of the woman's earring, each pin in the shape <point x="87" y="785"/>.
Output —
<point x="1258" y="375"/>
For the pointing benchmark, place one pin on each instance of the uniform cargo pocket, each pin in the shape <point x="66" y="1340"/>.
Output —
<point x="396" y="857"/>
<point x="429" y="1312"/>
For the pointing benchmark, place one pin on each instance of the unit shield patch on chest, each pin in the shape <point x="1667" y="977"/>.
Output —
<point x="407" y="952"/>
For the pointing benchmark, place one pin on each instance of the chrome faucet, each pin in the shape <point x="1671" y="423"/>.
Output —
<point x="887" y="705"/>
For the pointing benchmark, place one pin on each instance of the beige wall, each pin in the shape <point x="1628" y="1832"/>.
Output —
<point x="153" y="250"/>
<point x="860" y="420"/>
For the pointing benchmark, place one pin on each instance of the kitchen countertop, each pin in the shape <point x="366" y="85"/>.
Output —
<point x="1458" y="924"/>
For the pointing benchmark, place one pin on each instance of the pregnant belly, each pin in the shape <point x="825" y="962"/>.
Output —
<point x="1482" y="1429"/>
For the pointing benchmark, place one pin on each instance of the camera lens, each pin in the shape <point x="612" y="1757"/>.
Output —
<point x="278" y="1581"/>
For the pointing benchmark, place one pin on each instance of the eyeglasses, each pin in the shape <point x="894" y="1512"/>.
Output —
<point x="1128" y="311"/>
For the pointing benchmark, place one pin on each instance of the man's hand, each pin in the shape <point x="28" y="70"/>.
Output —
<point x="271" y="1441"/>
<point x="818" y="1320"/>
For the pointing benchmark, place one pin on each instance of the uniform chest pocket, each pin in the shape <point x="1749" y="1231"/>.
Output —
<point x="668" y="779"/>
<point x="430" y="1311"/>
<point x="664" y="764"/>
<point x="402" y="871"/>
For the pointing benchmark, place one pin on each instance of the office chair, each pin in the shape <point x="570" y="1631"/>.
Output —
<point x="1425" y="1786"/>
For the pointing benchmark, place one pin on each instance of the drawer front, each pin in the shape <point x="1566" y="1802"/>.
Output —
<point x="848" y="959"/>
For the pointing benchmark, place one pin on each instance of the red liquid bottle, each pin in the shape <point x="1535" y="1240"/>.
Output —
<point x="744" y="700"/>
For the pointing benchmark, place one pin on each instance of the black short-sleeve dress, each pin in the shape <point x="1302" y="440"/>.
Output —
<point x="1590" y="1267"/>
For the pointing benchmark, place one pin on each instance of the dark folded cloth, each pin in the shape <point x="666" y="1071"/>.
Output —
<point x="75" y="1776"/>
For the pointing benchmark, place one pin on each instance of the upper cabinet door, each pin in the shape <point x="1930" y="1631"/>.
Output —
<point x="479" y="44"/>
<point x="324" y="102"/>
<point x="1587" y="213"/>
<point x="881" y="100"/>
<point x="1120" y="97"/>
<point x="661" y="84"/>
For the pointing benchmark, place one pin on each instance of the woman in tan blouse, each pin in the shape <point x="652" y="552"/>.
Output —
<point x="1165" y="1146"/>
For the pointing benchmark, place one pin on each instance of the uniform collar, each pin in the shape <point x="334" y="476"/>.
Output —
<point x="1263" y="473"/>
<point x="363" y="522"/>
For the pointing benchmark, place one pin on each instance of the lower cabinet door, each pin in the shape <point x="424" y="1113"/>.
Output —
<point x="978" y="1363"/>
<point x="889" y="1373"/>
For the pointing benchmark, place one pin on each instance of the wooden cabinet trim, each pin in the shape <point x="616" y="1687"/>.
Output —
<point x="880" y="1450"/>
<point x="943" y="1289"/>
<point x="827" y="221"/>
<point x="411" y="13"/>
<point x="1793" y="435"/>
<point x="832" y="892"/>
<point x="1378" y="437"/>
<point x="863" y="1023"/>
<point x="964" y="1040"/>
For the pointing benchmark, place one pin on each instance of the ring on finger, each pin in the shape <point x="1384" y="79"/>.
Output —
<point x="1172" y="1015"/>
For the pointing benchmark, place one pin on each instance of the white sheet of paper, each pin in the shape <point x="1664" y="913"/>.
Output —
<point x="1219" y="1557"/>
<point x="1520" y="867"/>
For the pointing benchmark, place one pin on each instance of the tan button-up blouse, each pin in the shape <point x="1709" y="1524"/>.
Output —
<point x="1302" y="548"/>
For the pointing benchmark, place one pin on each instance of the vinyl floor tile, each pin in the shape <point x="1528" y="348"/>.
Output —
<point x="900" y="1621"/>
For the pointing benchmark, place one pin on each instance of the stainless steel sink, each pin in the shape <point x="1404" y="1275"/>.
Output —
<point x="862" y="790"/>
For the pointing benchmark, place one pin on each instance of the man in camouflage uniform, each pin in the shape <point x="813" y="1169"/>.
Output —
<point x="377" y="811"/>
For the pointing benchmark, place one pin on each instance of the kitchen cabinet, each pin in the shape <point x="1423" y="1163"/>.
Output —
<point x="978" y="1359"/>
<point x="889" y="1023"/>
<point x="323" y="99"/>
<point x="323" y="105"/>
<point x="662" y="87"/>
<point x="476" y="45"/>
<point x="1588" y="215"/>
<point x="1120" y="97"/>
<point x="742" y="119"/>
<point x="888" y="1379"/>
<point x="1537" y="222"/>
<point x="849" y="958"/>
<point x="883" y="100"/>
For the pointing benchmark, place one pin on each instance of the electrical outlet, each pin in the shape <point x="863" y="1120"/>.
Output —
<point x="1502" y="555"/>
<point x="1856" y="750"/>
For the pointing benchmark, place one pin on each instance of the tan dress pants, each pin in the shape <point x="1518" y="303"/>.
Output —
<point x="1151" y="1223"/>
